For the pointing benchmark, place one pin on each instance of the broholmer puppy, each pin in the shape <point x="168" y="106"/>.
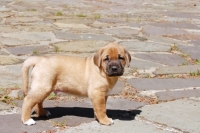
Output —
<point x="92" y="76"/>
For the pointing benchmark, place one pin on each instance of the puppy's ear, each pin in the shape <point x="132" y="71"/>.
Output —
<point x="127" y="57"/>
<point x="97" y="57"/>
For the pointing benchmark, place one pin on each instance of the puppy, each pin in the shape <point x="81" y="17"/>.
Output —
<point x="92" y="76"/>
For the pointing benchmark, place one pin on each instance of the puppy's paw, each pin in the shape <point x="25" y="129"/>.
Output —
<point x="29" y="122"/>
<point x="107" y="121"/>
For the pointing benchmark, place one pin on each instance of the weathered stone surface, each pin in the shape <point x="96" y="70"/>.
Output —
<point x="123" y="33"/>
<point x="4" y="106"/>
<point x="13" y="42"/>
<point x="140" y="64"/>
<point x="22" y="19"/>
<point x="163" y="84"/>
<point x="173" y="95"/>
<point x="80" y="46"/>
<point x="184" y="37"/>
<point x="22" y="50"/>
<point x="145" y="46"/>
<point x="192" y="51"/>
<point x="186" y="112"/>
<point x="4" y="9"/>
<point x="7" y="60"/>
<point x="35" y="27"/>
<point x="32" y="36"/>
<point x="15" y="122"/>
<point x="177" y="25"/>
<point x="3" y="53"/>
<point x="84" y="21"/>
<point x="178" y="69"/>
<point x="7" y="29"/>
<point x="72" y="36"/>
<point x="73" y="26"/>
<point x="118" y="126"/>
<point x="159" y="31"/>
<point x="167" y="59"/>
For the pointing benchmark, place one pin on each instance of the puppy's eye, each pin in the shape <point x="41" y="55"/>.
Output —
<point x="106" y="58"/>
<point x="121" y="58"/>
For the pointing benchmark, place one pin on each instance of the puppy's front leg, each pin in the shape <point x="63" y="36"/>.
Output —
<point x="99" y="105"/>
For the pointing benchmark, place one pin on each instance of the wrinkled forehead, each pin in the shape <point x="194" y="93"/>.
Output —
<point x="113" y="52"/>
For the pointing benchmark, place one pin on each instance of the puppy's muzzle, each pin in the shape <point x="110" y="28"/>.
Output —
<point x="114" y="69"/>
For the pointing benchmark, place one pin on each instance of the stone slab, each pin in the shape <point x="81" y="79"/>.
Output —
<point x="77" y="112"/>
<point x="141" y="64"/>
<point x="71" y="26"/>
<point x="13" y="42"/>
<point x="7" y="29"/>
<point x="177" y="69"/>
<point x="7" y="60"/>
<point x="122" y="33"/>
<point x="12" y="123"/>
<point x="177" y="25"/>
<point x="192" y="51"/>
<point x="181" y="114"/>
<point x="72" y="36"/>
<point x="4" y="106"/>
<point x="163" y="84"/>
<point x="145" y="46"/>
<point x="30" y="50"/>
<point x="30" y="36"/>
<point x="80" y="46"/>
<point x="166" y="59"/>
<point x="159" y="31"/>
<point x="119" y="126"/>
<point x="172" y="95"/>
<point x="85" y="21"/>
<point x="22" y="19"/>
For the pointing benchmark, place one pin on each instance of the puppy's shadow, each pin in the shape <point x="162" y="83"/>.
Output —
<point x="57" y="112"/>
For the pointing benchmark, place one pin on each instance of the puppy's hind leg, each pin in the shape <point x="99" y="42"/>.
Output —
<point x="40" y="111"/>
<point x="34" y="98"/>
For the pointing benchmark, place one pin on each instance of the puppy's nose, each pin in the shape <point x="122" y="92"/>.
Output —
<point x="114" y="68"/>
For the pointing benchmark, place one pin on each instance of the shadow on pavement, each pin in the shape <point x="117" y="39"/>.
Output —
<point x="57" y="112"/>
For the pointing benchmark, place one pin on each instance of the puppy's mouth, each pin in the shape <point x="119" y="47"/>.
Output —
<point x="114" y="70"/>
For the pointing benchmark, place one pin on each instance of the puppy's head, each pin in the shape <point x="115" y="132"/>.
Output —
<point x="112" y="59"/>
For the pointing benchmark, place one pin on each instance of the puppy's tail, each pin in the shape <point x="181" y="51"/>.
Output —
<point x="25" y="72"/>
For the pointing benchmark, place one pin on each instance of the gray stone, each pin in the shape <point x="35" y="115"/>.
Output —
<point x="172" y="95"/>
<point x="177" y="25"/>
<point x="177" y="69"/>
<point x="180" y="114"/>
<point x="140" y="64"/>
<point x="195" y="43"/>
<point x="35" y="27"/>
<point x="71" y="26"/>
<point x="15" y="122"/>
<point x="145" y="46"/>
<point x="4" y="106"/>
<point x="80" y="46"/>
<point x="166" y="59"/>
<point x="3" y="53"/>
<point x="16" y="94"/>
<point x="4" y="9"/>
<point x="23" y="19"/>
<point x="122" y="33"/>
<point x="32" y="36"/>
<point x="119" y="126"/>
<point x="22" y="50"/>
<point x="7" y="29"/>
<point x="192" y="51"/>
<point x="163" y="84"/>
<point x="85" y="21"/>
<point x="7" y="60"/>
<point x="13" y="42"/>
<point x="153" y="30"/>
<point x="72" y="36"/>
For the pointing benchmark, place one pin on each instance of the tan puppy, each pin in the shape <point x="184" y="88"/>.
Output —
<point x="92" y="76"/>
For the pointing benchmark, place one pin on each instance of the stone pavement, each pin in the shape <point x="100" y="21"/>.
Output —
<point x="159" y="92"/>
